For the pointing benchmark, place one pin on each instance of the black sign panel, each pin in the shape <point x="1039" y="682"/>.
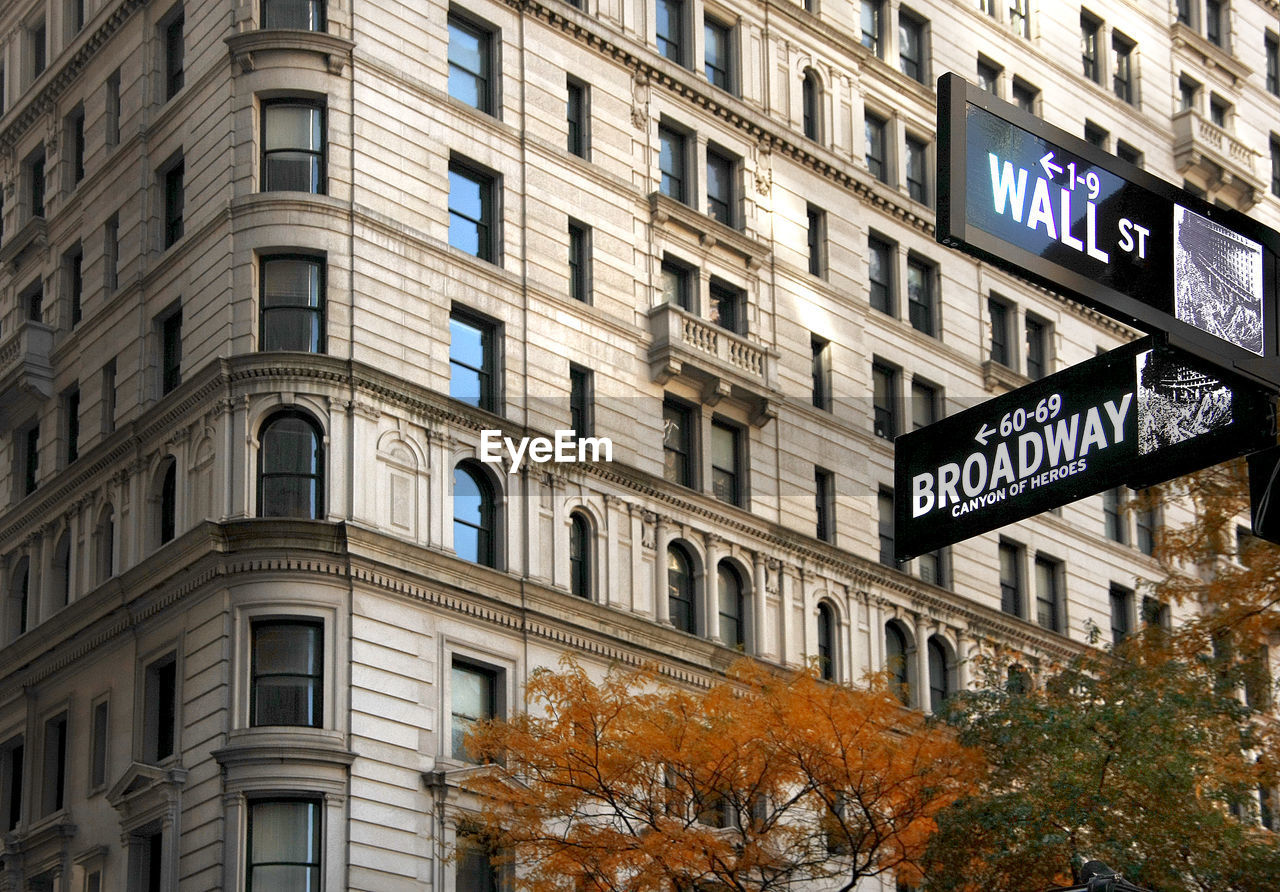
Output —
<point x="1138" y="415"/>
<point x="1050" y="207"/>
<point x="1264" y="493"/>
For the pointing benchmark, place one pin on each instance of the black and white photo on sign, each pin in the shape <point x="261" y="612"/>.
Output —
<point x="1217" y="280"/>
<point x="1177" y="403"/>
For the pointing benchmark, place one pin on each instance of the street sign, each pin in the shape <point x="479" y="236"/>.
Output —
<point x="1140" y="414"/>
<point x="1264" y="493"/>
<point x="1054" y="209"/>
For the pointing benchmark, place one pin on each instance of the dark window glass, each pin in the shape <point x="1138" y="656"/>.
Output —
<point x="477" y="870"/>
<point x="171" y="352"/>
<point x="1187" y="93"/>
<point x="161" y="706"/>
<point x="1275" y="167"/>
<point x="911" y="46"/>
<point x="111" y="254"/>
<point x="113" y="108"/>
<point x="471" y="65"/>
<point x="174" y="203"/>
<point x="299" y="15"/>
<point x="731" y="607"/>
<point x="677" y="443"/>
<point x="39" y="49"/>
<point x="939" y="683"/>
<point x="999" y="332"/>
<point x="917" y="172"/>
<point x="174" y="57"/>
<point x="54" y="777"/>
<point x="680" y="598"/>
<point x="1089" y="29"/>
<point x="1145" y="521"/>
<point x="884" y="506"/>
<point x="471" y="212"/>
<point x="292" y="314"/>
<point x="1184" y="11"/>
<point x="924" y="404"/>
<point x="473" y="698"/>
<point x="884" y="385"/>
<point x="580" y="262"/>
<point x="721" y="203"/>
<point x="877" y="159"/>
<point x="727" y="308"/>
<point x="35" y="170"/>
<point x="76" y="135"/>
<point x="1126" y="152"/>
<point x="169" y="502"/>
<point x="871" y="21"/>
<point x="880" y="275"/>
<point x="474" y="516"/>
<point x="1010" y="579"/>
<point x="817" y="241"/>
<point x="100" y="732"/>
<point x="576" y="111"/>
<point x="1156" y="613"/>
<point x="821" y="370"/>
<point x="580" y="387"/>
<point x="895" y="660"/>
<point x="920" y="299"/>
<point x="1113" y="516"/>
<point x="1095" y="135"/>
<point x="670" y="15"/>
<point x="72" y="410"/>
<point x="75" y="284"/>
<point x="718" y="50"/>
<point x="932" y="567"/>
<point x="810" y="105"/>
<point x="31" y="461"/>
<point x="826" y="642"/>
<point x="1024" y="96"/>
<point x="1122" y="75"/>
<point x="284" y="846"/>
<point x="1273" y="64"/>
<point x="291" y="468"/>
<point x="1121" y="605"/>
<point x="288" y="674"/>
<point x="472" y="362"/>
<point x="11" y="758"/>
<point x="293" y="158"/>
<point x="988" y="77"/>
<point x="1048" y="596"/>
<point x="824" y="503"/>
<point x="1037" y="348"/>
<point x="677" y="285"/>
<point x="1214" y="19"/>
<point x="579" y="556"/>
<point x="673" y="164"/>
<point x="1218" y="111"/>
<point x="726" y="459"/>
<point x="1019" y="17"/>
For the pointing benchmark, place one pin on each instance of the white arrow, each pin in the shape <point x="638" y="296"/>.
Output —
<point x="1049" y="167"/>
<point x="982" y="434"/>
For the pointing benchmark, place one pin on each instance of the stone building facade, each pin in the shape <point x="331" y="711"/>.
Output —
<point x="268" y="269"/>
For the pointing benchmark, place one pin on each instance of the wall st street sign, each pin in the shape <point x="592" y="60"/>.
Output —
<point x="1138" y="415"/>
<point x="1054" y="209"/>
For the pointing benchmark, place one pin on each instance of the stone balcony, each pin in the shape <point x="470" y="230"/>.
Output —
<point x="719" y="362"/>
<point x="26" y="375"/>
<point x="1203" y="151"/>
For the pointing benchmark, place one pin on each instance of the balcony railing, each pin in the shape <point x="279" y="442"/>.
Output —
<point x="26" y="376"/>
<point x="1222" y="161"/>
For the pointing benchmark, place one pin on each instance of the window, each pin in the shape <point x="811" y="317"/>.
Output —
<point x="160" y="708"/>
<point x="731" y="607"/>
<point x="174" y="54"/>
<point x="473" y="361"/>
<point x="146" y="857"/>
<point x="579" y="261"/>
<point x="811" y="104"/>
<point x="1145" y="522"/>
<point x="104" y="540"/>
<point x="924" y="404"/>
<point x="1113" y="518"/>
<point x="677" y="443"/>
<point x="1275" y="167"/>
<point x="826" y="642"/>
<point x="1048" y="596"/>
<point x="1037" y="348"/>
<point x="11" y="781"/>
<point x="920" y="298"/>
<point x="71" y="412"/>
<point x="283" y="845"/>
<point x="53" y="785"/>
<point x="35" y="176"/>
<point x="873" y="26"/>
<point x="917" y="170"/>
<point x="471" y="64"/>
<point x="113" y="108"/>
<point x="109" y="397"/>
<point x="75" y="139"/>
<point x="1128" y="153"/>
<point x="680" y="593"/>
<point x="1010" y="578"/>
<point x="718" y="52"/>
<point x="292" y="310"/>
<point x="820" y="350"/>
<point x="111" y="254"/>
<point x="939" y="680"/>
<point x="1121" y="609"/>
<point x="934" y="566"/>
<point x="677" y="284"/>
<point x="1089" y="31"/>
<point x="1215" y="20"/>
<point x="74" y="263"/>
<point x="27" y="443"/>
<point x="722" y="175"/>
<point x="911" y="46"/>
<point x="473" y="698"/>
<point x="884" y="386"/>
<point x="816" y="241"/>
<point x="989" y="77"/>
<point x="726" y="462"/>
<point x="824" y="503"/>
<point x="1272" y="49"/>
<point x="1095" y="135"/>
<point x="99" y="738"/>
<point x="1184" y="11"/>
<point x="174" y="201"/>
<point x="293" y="156"/>
<point x="1019" y="17"/>
<point x="170" y="351"/>
<point x="727" y="306"/>
<point x="38" y="42"/>
<point x="884" y="507"/>
<point x="580" y="394"/>
<point x="1219" y="111"/>
<point x="1122" y="67"/>
<point x="1024" y="96"/>
<point x="1000" y="314"/>
<point x="673" y="164"/>
<point x="880" y="275"/>
<point x="32" y="301"/>
<point x="877" y="157"/>
<point x="472" y="221"/>
<point x="475" y="516"/>
<point x="287" y="674"/>
<point x="476" y="864"/>
<point x="1156" y="613"/>
<point x="1188" y="93"/>
<point x="895" y="660"/>
<point x="291" y="467"/>
<point x="168" y="507"/>
<point x="577" y="112"/>
<point x="298" y="15"/>
<point x="670" y="30"/>
<point x="579" y="555"/>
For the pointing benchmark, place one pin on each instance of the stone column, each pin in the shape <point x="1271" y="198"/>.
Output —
<point x="762" y="643"/>
<point x="922" y="664"/>
<point x="661" y="600"/>
<point x="711" y="589"/>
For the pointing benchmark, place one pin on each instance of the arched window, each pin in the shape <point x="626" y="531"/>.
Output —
<point x="811" y="93"/>
<point x="290" y="467"/>
<point x="579" y="555"/>
<point x="104" y="538"/>
<point x="826" y="642"/>
<point x="680" y="589"/>
<point x="733" y="630"/>
<point x="895" y="659"/>
<point x="19" y="599"/>
<point x="168" y="520"/>
<point x="939" y="684"/>
<point x="474" y="516"/>
<point x="61" y="567"/>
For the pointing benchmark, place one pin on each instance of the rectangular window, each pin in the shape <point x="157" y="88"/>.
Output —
<point x="11" y="781"/>
<point x="677" y="284"/>
<point x="1037" y="348"/>
<point x="816" y="241"/>
<point x="1121" y="609"/>
<point x="109" y="397"/>
<point x="677" y="443"/>
<point x="1001" y="315"/>
<point x="113" y="108"/>
<point x="111" y="254"/>
<point x="673" y="164"/>
<point x="1188" y="93"/>
<point x="989" y="77"/>
<point x="825" y="503"/>
<point x="880" y="275"/>
<point x="146" y="858"/>
<point x="1095" y="135"/>
<point x="174" y="54"/>
<point x="1089" y="30"/>
<point x="1215" y="21"/>
<point x="1219" y="111"/>
<point x="1113" y="517"/>
<point x="872" y="24"/>
<point x="170" y="351"/>
<point x="99" y="737"/>
<point x="295" y="15"/>
<point x="471" y="68"/>
<point x="1275" y="167"/>
<point x="1122" y="67"/>
<point x="924" y="404"/>
<point x="920" y="296"/>
<point x="74" y="264"/>
<point x="728" y="306"/>
<point x="174" y="202"/>
<point x="1156" y="613"/>
<point x="476" y="864"/>
<point x="287" y="674"/>
<point x="670" y="30"/>
<point x="53" y="777"/>
<point x="473" y="697"/>
<point x="38" y="42"/>
<point x="283" y="845"/>
<point x="1145" y="522"/>
<point x="1128" y="153"/>
<point x="28" y="442"/>
<point x="722" y="198"/>
<point x="932" y="567"/>
<point x="1011" y="595"/>
<point x="1024" y="96"/>
<point x="884" y="400"/>
<point x="1184" y="11"/>
<point x="35" y="183"/>
<point x="579" y="261"/>
<point x="292" y="308"/>
<point x="75" y="139"/>
<point x="577" y="112"/>
<point x="726" y="462"/>
<point x="917" y="170"/>
<point x="473" y="361"/>
<point x="718" y="52"/>
<point x="160" y="709"/>
<point x="71" y="411"/>
<point x="1272" y="49"/>
<point x="1019" y="17"/>
<point x="877" y="149"/>
<point x="472" y="205"/>
<point x="884" y="509"/>
<point x="820" y="349"/>
<point x="581" y="392"/>
<point x="1048" y="595"/>
<point x="293" y="146"/>
<point x="911" y="46"/>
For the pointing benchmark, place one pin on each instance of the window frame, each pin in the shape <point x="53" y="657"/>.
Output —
<point x="99" y="762"/>
<point x="733" y="479"/>
<point x="13" y="772"/>
<point x="495" y="677"/>
<point x="917" y="156"/>
<point x="489" y="525"/>
<point x="316" y="804"/>
<point x="173" y="191"/>
<point x="319" y="156"/>
<point x="726" y="71"/>
<point x="876" y="135"/>
<point x="736" y="617"/>
<point x="825" y="640"/>
<point x="871" y="16"/>
<point x="820" y="369"/>
<point x="1123" y="81"/>
<point x="811" y="105"/>
<point x="489" y="372"/>
<point x="922" y="301"/>
<point x="581" y="400"/>
<point x="315" y="310"/>
<point x="1000" y="346"/>
<point x="724" y="167"/>
<point x="687" y="473"/>
<point x="578" y="118"/>
<point x="672" y="43"/>
<point x="1091" y="29"/>
<point x="727" y="306"/>
<point x="907" y="22"/>
<point x="1037" y="347"/>
<point x="885" y="285"/>
<point x="314" y="681"/>
<point x="684" y="278"/>
<point x="315" y="479"/>
<point x="679" y="554"/>
<point x="1049" y="602"/>
<point x="169" y="326"/>
<point x="488" y="226"/>
<point x="816" y="240"/>
<point x="673" y="178"/>
<point x="579" y="235"/>
<point x="824" y="498"/>
<point x="75" y="137"/>
<point x="1121" y="602"/>
<point x="315" y="16"/>
<point x="172" y="30"/>
<point x="926" y="403"/>
<point x="487" y="81"/>
<point x="1013" y="588"/>
<point x="884" y="399"/>
<point x="581" y="555"/>
<point x="159" y="741"/>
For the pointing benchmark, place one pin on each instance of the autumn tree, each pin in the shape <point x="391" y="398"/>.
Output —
<point x="761" y="780"/>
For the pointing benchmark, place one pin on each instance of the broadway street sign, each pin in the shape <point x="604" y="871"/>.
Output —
<point x="1138" y="415"/>
<point x="1050" y="207"/>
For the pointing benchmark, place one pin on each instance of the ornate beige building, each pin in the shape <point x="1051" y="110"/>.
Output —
<point x="269" y="267"/>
